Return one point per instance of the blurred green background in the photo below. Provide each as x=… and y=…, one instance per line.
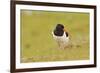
x=37, y=43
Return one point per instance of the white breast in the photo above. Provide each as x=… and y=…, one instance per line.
x=62, y=40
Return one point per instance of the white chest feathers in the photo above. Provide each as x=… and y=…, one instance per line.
x=61, y=40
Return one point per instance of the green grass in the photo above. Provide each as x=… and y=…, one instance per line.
x=37, y=43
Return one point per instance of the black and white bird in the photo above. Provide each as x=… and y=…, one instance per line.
x=61, y=36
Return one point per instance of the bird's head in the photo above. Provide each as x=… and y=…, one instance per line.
x=59, y=27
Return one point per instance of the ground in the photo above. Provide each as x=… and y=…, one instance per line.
x=37, y=43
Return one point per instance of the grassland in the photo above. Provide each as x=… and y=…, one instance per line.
x=37, y=43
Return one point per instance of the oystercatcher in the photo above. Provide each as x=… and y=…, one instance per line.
x=61, y=36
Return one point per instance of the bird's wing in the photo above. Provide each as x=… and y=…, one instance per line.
x=66, y=34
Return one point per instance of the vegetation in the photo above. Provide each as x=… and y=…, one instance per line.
x=37, y=43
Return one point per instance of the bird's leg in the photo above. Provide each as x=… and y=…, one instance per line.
x=64, y=45
x=61, y=46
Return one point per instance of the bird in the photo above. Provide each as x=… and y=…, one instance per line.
x=61, y=36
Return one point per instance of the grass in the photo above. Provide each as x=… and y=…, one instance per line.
x=37, y=43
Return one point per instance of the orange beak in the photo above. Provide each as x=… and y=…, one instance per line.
x=64, y=29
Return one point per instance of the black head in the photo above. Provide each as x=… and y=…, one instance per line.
x=59, y=30
x=59, y=27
